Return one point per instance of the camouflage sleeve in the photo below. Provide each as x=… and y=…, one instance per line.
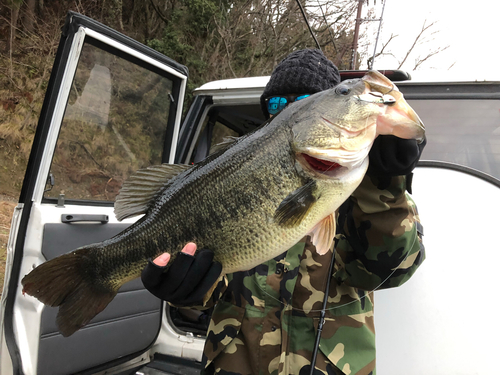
x=211, y=299
x=381, y=245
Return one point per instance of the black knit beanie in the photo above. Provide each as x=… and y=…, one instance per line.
x=307, y=71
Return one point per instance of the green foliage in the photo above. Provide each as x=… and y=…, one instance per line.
x=187, y=32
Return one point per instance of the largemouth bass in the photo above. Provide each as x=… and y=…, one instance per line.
x=248, y=202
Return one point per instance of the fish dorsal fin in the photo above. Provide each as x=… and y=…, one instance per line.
x=226, y=142
x=323, y=233
x=296, y=205
x=140, y=190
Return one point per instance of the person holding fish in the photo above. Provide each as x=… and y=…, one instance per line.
x=266, y=320
x=297, y=222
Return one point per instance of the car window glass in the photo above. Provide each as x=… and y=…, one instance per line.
x=464, y=132
x=211, y=134
x=219, y=134
x=115, y=123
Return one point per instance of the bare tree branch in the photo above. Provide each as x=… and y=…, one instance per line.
x=419, y=61
x=424, y=28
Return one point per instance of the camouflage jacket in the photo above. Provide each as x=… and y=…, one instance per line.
x=265, y=319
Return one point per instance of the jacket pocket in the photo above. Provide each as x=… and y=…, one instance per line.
x=224, y=327
x=349, y=345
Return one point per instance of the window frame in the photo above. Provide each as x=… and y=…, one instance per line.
x=83, y=37
x=78, y=31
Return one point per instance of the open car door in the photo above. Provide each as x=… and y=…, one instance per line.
x=112, y=106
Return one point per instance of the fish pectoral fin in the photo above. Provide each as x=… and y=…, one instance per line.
x=296, y=205
x=323, y=234
x=140, y=190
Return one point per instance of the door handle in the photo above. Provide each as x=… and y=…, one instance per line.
x=77, y=218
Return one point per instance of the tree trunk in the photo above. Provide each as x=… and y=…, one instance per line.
x=29, y=20
x=14, y=15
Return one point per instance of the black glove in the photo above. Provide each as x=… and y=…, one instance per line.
x=187, y=279
x=392, y=156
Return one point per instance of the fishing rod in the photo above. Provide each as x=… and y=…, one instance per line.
x=321, y=322
x=307, y=23
x=328, y=27
x=342, y=216
x=378, y=34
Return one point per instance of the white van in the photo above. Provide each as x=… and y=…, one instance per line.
x=114, y=106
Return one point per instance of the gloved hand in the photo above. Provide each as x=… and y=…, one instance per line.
x=188, y=278
x=392, y=156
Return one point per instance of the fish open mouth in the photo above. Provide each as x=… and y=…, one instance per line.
x=320, y=165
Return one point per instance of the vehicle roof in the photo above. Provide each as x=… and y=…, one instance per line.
x=441, y=76
x=235, y=83
x=257, y=84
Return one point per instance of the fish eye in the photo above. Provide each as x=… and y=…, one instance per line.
x=342, y=90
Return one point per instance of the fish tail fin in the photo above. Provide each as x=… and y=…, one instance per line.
x=66, y=282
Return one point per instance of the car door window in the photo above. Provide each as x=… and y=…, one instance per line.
x=223, y=122
x=463, y=132
x=114, y=124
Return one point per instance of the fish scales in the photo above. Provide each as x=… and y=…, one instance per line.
x=248, y=202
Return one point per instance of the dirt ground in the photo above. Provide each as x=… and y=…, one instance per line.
x=7, y=205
